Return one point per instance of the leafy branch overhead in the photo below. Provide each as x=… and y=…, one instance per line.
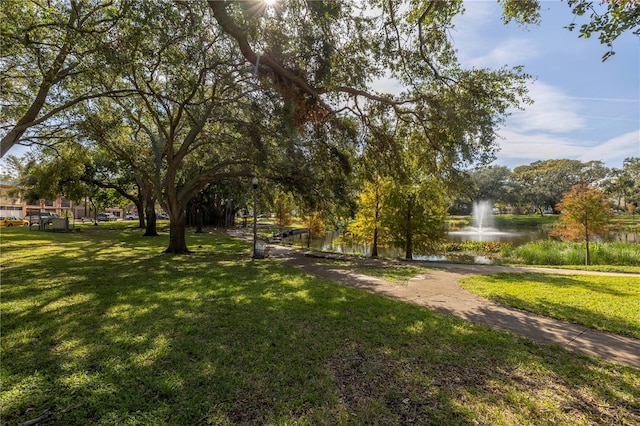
x=332, y=67
x=607, y=18
x=57, y=55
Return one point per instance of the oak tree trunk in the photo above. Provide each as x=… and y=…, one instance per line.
x=150, y=230
x=150, y=212
x=587, y=259
x=140, y=209
x=374, y=249
x=177, y=235
x=409, y=234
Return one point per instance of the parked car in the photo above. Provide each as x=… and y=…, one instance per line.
x=162, y=216
x=132, y=216
x=44, y=217
x=13, y=221
x=106, y=217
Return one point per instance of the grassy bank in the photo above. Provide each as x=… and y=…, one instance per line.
x=524, y=221
x=608, y=303
x=508, y=221
x=101, y=328
x=627, y=222
x=550, y=252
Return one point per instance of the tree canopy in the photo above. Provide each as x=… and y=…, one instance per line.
x=316, y=54
x=54, y=57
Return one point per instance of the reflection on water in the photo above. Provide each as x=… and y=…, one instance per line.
x=331, y=242
x=626, y=237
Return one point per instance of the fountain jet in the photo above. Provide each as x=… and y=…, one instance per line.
x=482, y=228
x=482, y=216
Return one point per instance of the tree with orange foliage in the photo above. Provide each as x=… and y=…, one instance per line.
x=586, y=213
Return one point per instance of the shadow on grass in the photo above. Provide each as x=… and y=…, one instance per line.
x=104, y=329
x=576, y=315
x=553, y=303
x=561, y=282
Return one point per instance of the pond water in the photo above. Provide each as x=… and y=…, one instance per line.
x=332, y=242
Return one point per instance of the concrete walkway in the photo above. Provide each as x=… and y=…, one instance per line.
x=439, y=291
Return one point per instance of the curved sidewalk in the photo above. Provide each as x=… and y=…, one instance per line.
x=439, y=291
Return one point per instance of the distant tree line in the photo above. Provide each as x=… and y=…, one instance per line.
x=541, y=185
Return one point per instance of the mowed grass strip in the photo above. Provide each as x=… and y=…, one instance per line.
x=608, y=303
x=101, y=328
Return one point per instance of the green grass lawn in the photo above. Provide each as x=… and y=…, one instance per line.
x=524, y=221
x=119, y=224
x=627, y=222
x=99, y=327
x=592, y=268
x=610, y=303
x=508, y=221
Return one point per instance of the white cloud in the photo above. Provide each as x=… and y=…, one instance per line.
x=584, y=109
x=476, y=16
x=552, y=111
x=475, y=38
x=538, y=146
x=629, y=100
x=619, y=147
x=519, y=148
x=387, y=84
x=511, y=52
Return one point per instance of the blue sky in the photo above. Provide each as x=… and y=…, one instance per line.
x=584, y=109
